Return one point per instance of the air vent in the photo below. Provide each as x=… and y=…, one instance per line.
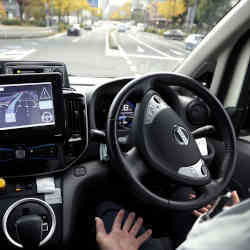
x=76, y=120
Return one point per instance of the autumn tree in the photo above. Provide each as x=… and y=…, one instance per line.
x=66, y=7
x=122, y=13
x=2, y=11
x=97, y=12
x=35, y=9
x=171, y=8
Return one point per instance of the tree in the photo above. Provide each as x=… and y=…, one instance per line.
x=210, y=11
x=123, y=12
x=66, y=7
x=171, y=8
x=2, y=11
x=35, y=9
x=21, y=4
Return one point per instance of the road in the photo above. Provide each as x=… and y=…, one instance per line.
x=90, y=54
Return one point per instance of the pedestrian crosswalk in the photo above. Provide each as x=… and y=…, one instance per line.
x=15, y=53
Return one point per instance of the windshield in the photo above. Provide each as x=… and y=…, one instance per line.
x=107, y=38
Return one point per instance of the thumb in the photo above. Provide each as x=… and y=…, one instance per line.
x=99, y=226
x=235, y=197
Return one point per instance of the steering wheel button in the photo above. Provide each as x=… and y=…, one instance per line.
x=79, y=171
x=45, y=227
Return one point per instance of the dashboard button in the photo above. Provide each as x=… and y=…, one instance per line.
x=20, y=154
x=79, y=171
x=2, y=184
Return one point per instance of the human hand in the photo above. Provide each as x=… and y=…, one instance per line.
x=121, y=238
x=203, y=210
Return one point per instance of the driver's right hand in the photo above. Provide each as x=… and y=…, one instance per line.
x=203, y=210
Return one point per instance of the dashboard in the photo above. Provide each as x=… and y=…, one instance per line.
x=45, y=130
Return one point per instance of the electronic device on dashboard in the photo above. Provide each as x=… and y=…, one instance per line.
x=31, y=106
x=43, y=126
x=26, y=67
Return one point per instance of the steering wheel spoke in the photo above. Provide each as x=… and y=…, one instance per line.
x=203, y=131
x=136, y=165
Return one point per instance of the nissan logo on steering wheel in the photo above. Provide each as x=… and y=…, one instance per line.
x=181, y=135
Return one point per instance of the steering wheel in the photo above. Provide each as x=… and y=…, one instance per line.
x=165, y=144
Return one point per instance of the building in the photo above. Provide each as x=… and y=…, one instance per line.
x=141, y=4
x=103, y=4
x=93, y=3
x=136, y=4
x=11, y=8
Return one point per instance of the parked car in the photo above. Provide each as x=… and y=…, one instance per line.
x=121, y=28
x=87, y=27
x=174, y=35
x=192, y=41
x=74, y=30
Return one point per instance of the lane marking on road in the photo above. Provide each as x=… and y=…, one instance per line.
x=133, y=68
x=149, y=57
x=178, y=53
x=56, y=36
x=125, y=56
x=152, y=48
x=76, y=40
x=140, y=50
x=27, y=53
x=15, y=54
x=172, y=43
x=106, y=43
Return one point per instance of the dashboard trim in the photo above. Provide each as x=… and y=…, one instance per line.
x=19, y=202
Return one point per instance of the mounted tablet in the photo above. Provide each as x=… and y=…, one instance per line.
x=31, y=108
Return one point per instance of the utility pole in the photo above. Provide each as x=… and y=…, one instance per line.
x=193, y=15
x=47, y=13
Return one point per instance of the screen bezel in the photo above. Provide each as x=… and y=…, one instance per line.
x=44, y=133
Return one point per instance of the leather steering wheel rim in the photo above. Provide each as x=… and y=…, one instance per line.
x=128, y=167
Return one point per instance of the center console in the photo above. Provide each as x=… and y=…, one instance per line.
x=43, y=131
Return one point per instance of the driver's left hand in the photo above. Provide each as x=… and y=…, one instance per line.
x=121, y=237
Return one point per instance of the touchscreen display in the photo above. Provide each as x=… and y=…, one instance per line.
x=26, y=105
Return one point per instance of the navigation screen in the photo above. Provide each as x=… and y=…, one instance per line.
x=26, y=105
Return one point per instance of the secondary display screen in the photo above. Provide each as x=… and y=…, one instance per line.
x=26, y=105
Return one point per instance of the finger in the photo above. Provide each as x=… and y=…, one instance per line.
x=203, y=210
x=99, y=226
x=118, y=220
x=209, y=206
x=129, y=221
x=196, y=213
x=235, y=198
x=192, y=196
x=136, y=227
x=142, y=238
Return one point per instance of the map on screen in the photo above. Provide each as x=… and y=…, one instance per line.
x=26, y=105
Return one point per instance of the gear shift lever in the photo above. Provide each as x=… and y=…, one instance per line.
x=29, y=231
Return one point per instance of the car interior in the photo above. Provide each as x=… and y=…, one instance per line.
x=133, y=140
